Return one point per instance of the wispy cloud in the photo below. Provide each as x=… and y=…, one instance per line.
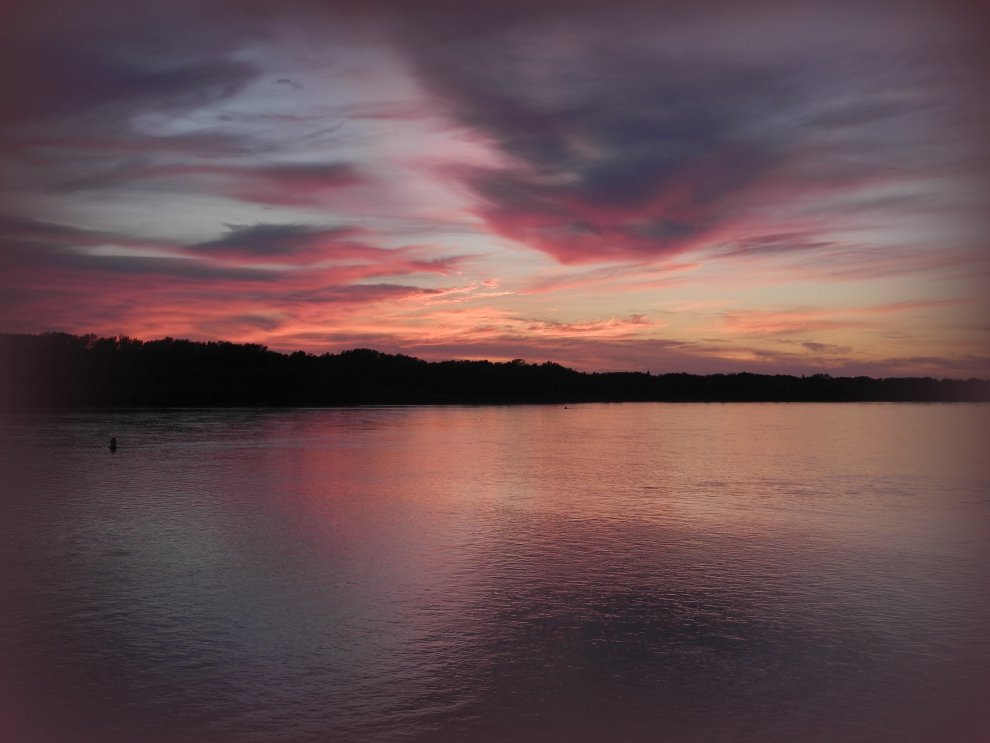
x=805, y=181
x=804, y=320
x=670, y=144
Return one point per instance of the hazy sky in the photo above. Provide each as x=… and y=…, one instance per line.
x=672, y=186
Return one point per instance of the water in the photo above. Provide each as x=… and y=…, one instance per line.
x=601, y=573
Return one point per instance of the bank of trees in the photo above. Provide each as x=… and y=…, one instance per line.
x=62, y=370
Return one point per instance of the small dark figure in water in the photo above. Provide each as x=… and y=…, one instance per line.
x=113, y=444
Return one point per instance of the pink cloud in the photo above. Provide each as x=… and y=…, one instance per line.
x=258, y=277
x=293, y=185
x=627, y=276
x=613, y=141
x=613, y=327
x=753, y=322
x=794, y=321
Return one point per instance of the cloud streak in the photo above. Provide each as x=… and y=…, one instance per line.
x=619, y=185
x=670, y=143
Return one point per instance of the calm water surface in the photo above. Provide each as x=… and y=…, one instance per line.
x=606, y=572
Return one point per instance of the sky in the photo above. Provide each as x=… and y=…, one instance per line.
x=709, y=186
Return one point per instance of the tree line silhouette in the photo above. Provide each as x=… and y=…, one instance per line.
x=62, y=370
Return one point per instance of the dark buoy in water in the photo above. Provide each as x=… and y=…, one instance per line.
x=113, y=444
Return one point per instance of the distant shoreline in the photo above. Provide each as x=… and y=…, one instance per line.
x=62, y=371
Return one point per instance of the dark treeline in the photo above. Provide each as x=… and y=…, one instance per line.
x=61, y=370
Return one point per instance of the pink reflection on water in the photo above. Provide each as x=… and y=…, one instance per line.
x=529, y=573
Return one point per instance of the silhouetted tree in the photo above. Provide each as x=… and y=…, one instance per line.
x=62, y=370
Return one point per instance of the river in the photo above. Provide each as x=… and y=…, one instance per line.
x=628, y=572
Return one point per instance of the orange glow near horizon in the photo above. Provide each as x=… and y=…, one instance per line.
x=448, y=184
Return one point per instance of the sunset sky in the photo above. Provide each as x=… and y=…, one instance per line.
x=669, y=186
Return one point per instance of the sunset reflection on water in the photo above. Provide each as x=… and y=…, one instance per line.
x=636, y=572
